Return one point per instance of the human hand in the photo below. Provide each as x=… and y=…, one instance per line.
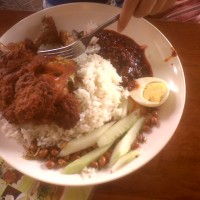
x=141, y=8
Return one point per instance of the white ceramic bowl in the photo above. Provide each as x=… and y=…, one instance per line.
x=76, y=16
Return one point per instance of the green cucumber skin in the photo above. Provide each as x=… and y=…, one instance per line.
x=118, y=129
x=78, y=165
x=124, y=145
x=84, y=141
x=125, y=159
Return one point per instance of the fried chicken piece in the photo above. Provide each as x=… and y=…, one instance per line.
x=33, y=94
x=11, y=66
x=48, y=33
x=3, y=49
x=66, y=38
x=34, y=89
x=67, y=110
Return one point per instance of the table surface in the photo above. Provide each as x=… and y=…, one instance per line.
x=174, y=173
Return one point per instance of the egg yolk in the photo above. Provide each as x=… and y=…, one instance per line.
x=155, y=92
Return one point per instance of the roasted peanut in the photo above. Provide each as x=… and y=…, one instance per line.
x=43, y=153
x=62, y=162
x=102, y=161
x=146, y=129
x=154, y=121
x=94, y=165
x=33, y=147
x=50, y=164
x=55, y=151
x=107, y=155
x=135, y=145
x=74, y=157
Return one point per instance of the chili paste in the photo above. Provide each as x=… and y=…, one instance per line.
x=125, y=55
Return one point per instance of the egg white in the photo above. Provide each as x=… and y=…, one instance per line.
x=137, y=94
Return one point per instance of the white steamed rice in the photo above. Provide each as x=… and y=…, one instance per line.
x=100, y=95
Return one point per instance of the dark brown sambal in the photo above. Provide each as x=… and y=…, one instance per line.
x=125, y=55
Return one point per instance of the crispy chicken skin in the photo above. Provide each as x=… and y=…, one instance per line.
x=11, y=67
x=34, y=89
x=48, y=33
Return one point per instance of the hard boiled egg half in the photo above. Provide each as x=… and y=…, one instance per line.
x=150, y=91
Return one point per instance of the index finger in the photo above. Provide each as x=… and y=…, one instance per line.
x=127, y=11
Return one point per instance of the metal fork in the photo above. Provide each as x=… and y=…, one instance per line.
x=79, y=46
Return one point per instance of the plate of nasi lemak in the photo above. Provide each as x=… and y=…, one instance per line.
x=94, y=118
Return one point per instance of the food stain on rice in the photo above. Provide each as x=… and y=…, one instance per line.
x=100, y=94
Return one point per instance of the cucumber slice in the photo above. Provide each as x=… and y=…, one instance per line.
x=78, y=165
x=118, y=129
x=84, y=141
x=125, y=159
x=124, y=107
x=125, y=143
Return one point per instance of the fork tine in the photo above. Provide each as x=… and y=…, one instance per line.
x=53, y=53
x=63, y=54
x=57, y=51
x=67, y=52
x=66, y=55
x=79, y=46
x=71, y=51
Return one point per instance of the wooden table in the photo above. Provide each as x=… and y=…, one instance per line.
x=175, y=172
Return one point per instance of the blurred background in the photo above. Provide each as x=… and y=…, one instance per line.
x=183, y=10
x=27, y=5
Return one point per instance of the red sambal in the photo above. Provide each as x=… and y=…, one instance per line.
x=125, y=55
